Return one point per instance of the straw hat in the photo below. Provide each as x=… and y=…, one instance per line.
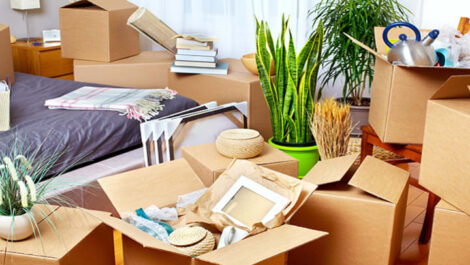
x=193, y=241
x=240, y=143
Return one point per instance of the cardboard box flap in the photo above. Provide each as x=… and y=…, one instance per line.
x=263, y=246
x=380, y=179
x=367, y=48
x=158, y=185
x=307, y=190
x=457, y=86
x=108, y=5
x=446, y=206
x=132, y=232
x=331, y=170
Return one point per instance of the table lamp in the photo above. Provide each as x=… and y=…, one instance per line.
x=25, y=5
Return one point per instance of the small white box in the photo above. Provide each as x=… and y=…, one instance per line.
x=25, y=4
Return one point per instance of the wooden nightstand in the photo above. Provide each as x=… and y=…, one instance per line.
x=44, y=60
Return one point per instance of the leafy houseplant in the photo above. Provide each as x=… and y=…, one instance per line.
x=341, y=57
x=291, y=95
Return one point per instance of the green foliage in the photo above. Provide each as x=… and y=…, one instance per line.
x=292, y=94
x=343, y=58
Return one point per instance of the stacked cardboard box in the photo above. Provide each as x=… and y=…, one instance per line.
x=6, y=59
x=445, y=170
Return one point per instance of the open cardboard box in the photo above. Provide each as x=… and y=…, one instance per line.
x=97, y=30
x=400, y=93
x=450, y=236
x=149, y=69
x=160, y=185
x=445, y=164
x=363, y=211
x=209, y=164
x=6, y=59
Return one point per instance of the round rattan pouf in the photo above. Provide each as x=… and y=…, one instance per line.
x=193, y=241
x=240, y=143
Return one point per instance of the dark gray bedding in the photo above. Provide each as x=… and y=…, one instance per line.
x=83, y=135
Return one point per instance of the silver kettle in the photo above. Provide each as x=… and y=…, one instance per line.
x=411, y=51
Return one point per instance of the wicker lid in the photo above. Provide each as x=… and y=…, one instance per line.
x=187, y=236
x=239, y=134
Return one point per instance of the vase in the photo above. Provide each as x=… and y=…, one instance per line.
x=15, y=228
x=306, y=154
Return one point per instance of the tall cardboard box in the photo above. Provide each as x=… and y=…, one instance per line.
x=364, y=217
x=97, y=30
x=6, y=59
x=149, y=69
x=450, y=236
x=238, y=85
x=209, y=164
x=445, y=163
x=400, y=93
x=75, y=239
x=160, y=185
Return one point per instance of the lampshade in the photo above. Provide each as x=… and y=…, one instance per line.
x=25, y=4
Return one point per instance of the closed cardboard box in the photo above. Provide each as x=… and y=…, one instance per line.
x=400, y=93
x=239, y=85
x=6, y=59
x=75, y=239
x=450, y=236
x=149, y=69
x=97, y=30
x=364, y=217
x=445, y=163
x=160, y=185
x=209, y=164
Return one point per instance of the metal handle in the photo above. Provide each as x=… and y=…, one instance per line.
x=397, y=24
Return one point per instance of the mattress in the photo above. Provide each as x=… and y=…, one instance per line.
x=82, y=136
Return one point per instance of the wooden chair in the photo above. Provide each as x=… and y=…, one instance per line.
x=411, y=153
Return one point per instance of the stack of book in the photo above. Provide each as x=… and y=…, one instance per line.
x=197, y=55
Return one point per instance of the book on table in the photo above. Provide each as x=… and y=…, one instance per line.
x=195, y=64
x=211, y=53
x=220, y=69
x=194, y=47
x=195, y=58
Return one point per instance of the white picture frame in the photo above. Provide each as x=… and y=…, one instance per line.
x=279, y=202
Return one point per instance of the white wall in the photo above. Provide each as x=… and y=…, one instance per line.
x=47, y=17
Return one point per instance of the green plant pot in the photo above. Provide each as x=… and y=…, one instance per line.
x=308, y=156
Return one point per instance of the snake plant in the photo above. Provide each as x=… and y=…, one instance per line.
x=291, y=95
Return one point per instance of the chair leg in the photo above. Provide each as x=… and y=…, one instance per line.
x=428, y=219
x=366, y=147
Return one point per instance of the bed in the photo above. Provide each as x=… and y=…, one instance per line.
x=83, y=136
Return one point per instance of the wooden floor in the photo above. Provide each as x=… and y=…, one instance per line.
x=413, y=253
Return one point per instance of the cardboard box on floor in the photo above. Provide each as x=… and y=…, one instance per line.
x=6, y=59
x=76, y=239
x=400, y=93
x=160, y=185
x=450, y=236
x=364, y=217
x=97, y=30
x=445, y=163
x=149, y=69
x=239, y=85
x=209, y=164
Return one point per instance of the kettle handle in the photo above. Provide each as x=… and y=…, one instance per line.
x=397, y=24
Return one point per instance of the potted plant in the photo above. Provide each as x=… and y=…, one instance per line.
x=342, y=58
x=291, y=95
x=22, y=186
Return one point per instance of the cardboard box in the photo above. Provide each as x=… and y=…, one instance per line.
x=400, y=93
x=6, y=59
x=79, y=239
x=364, y=217
x=97, y=30
x=238, y=85
x=445, y=167
x=209, y=164
x=160, y=185
x=149, y=69
x=450, y=236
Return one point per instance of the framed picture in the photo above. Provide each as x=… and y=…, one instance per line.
x=248, y=202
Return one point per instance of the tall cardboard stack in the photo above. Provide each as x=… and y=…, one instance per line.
x=445, y=170
x=6, y=59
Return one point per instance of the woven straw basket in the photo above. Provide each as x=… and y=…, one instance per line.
x=193, y=241
x=240, y=143
x=5, y=110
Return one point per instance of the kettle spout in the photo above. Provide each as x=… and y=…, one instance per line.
x=430, y=38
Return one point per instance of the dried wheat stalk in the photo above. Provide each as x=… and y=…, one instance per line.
x=331, y=126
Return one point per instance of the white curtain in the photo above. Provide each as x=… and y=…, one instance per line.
x=232, y=21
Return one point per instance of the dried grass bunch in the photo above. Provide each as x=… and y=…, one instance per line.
x=331, y=126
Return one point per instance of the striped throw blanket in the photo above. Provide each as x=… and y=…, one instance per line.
x=139, y=104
